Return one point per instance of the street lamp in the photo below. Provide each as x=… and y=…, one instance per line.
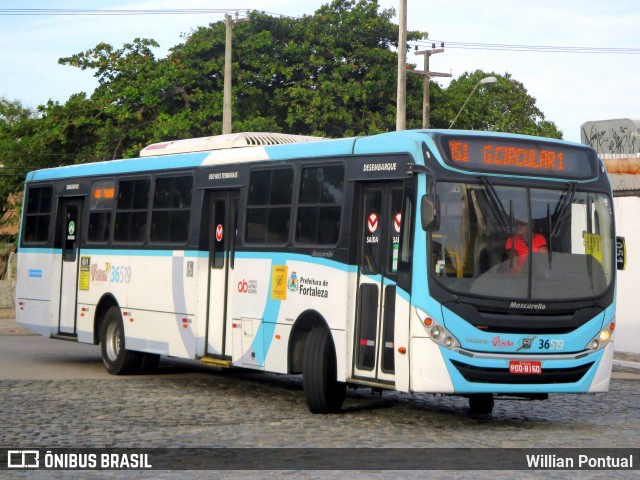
x=484, y=81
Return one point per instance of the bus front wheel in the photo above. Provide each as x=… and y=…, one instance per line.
x=115, y=357
x=322, y=391
x=481, y=403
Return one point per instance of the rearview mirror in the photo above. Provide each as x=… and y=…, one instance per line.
x=429, y=212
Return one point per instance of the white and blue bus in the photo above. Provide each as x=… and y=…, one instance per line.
x=398, y=261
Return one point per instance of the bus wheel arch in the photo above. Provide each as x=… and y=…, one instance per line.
x=106, y=302
x=117, y=359
x=307, y=321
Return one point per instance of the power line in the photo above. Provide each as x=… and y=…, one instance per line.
x=532, y=48
x=127, y=12
x=245, y=11
x=79, y=11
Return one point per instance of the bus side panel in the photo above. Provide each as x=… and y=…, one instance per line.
x=600, y=382
x=100, y=273
x=201, y=276
x=429, y=371
x=37, y=285
x=160, y=332
x=401, y=339
x=251, y=302
x=163, y=304
x=153, y=305
x=270, y=294
x=320, y=286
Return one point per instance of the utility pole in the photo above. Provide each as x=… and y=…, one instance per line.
x=401, y=97
x=425, y=82
x=226, y=102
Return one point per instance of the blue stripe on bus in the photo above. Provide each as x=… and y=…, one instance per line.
x=121, y=252
x=311, y=149
x=49, y=251
x=113, y=167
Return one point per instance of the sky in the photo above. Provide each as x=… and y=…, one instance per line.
x=570, y=88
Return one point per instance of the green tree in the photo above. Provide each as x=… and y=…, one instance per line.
x=505, y=106
x=331, y=73
x=134, y=92
x=13, y=116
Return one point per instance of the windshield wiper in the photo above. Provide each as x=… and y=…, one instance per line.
x=550, y=242
x=506, y=221
x=561, y=209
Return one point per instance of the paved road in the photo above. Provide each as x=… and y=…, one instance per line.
x=57, y=394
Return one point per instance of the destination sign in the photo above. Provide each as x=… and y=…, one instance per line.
x=518, y=157
x=103, y=194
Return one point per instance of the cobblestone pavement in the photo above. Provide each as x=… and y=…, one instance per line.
x=243, y=409
x=187, y=405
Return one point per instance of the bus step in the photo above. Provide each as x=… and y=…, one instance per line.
x=216, y=362
x=366, y=383
x=69, y=337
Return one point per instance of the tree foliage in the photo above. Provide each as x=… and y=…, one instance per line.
x=505, y=106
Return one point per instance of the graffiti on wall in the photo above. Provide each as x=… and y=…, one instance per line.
x=612, y=136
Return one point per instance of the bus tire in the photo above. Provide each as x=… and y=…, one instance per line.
x=115, y=357
x=322, y=391
x=481, y=404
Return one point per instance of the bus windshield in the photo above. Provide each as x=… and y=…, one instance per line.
x=522, y=243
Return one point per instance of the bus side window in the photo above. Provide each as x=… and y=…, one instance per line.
x=171, y=209
x=131, y=210
x=269, y=206
x=100, y=207
x=320, y=205
x=38, y=215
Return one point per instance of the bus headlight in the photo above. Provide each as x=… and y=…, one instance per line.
x=602, y=340
x=437, y=332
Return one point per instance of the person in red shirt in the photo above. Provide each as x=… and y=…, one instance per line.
x=517, y=246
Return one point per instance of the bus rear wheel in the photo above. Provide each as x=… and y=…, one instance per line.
x=322, y=391
x=115, y=357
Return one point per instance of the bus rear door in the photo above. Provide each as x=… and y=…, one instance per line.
x=68, y=225
x=221, y=207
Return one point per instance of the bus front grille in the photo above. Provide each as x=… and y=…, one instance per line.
x=502, y=375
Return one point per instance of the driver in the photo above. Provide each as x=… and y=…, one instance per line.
x=517, y=246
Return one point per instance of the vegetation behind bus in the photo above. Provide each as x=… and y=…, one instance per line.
x=330, y=74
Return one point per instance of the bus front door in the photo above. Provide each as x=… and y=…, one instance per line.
x=221, y=223
x=379, y=242
x=69, y=236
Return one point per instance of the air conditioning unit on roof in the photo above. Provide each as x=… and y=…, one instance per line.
x=221, y=142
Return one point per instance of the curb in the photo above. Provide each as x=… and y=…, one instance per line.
x=626, y=364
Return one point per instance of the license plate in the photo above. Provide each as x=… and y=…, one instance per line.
x=525, y=368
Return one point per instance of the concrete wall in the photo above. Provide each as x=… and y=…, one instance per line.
x=621, y=136
x=8, y=284
x=627, y=336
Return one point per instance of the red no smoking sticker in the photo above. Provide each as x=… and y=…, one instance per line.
x=372, y=223
x=397, y=222
x=219, y=232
